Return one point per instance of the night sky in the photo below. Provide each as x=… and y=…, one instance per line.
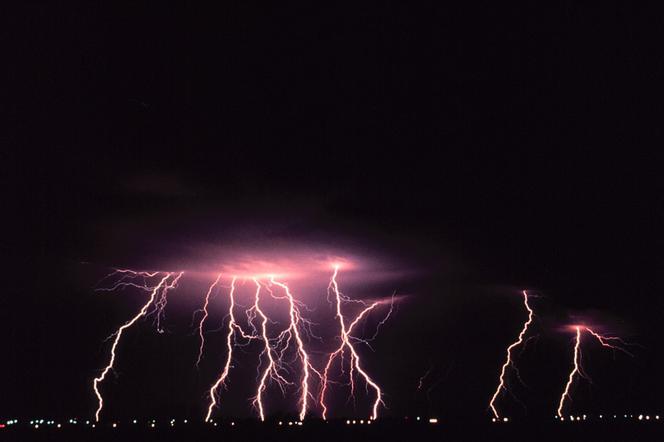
x=470, y=152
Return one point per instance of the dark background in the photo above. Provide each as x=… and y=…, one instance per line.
x=491, y=147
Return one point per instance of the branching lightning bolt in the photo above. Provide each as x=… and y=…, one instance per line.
x=271, y=371
x=232, y=328
x=508, y=361
x=158, y=292
x=577, y=367
x=345, y=337
x=294, y=331
x=159, y=304
x=127, y=280
x=575, y=370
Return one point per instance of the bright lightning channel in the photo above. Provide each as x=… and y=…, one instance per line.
x=204, y=310
x=293, y=330
x=233, y=327
x=508, y=360
x=577, y=368
x=346, y=337
x=271, y=370
x=158, y=292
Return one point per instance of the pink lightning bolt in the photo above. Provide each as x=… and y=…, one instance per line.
x=577, y=368
x=269, y=372
x=508, y=360
x=294, y=330
x=203, y=318
x=346, y=337
x=232, y=328
x=162, y=287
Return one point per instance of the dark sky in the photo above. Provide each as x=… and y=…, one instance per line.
x=485, y=148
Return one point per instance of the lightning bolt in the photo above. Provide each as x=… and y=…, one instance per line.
x=232, y=328
x=577, y=369
x=346, y=338
x=293, y=330
x=270, y=372
x=204, y=310
x=158, y=292
x=275, y=364
x=508, y=360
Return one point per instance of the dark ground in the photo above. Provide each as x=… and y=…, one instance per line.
x=390, y=430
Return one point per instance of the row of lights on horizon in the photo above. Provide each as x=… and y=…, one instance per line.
x=583, y=417
x=36, y=423
x=615, y=416
x=152, y=423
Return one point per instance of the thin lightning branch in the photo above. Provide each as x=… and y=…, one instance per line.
x=420, y=382
x=605, y=341
x=355, y=364
x=127, y=280
x=384, y=320
x=118, y=335
x=161, y=301
x=508, y=360
x=205, y=316
x=134, y=272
